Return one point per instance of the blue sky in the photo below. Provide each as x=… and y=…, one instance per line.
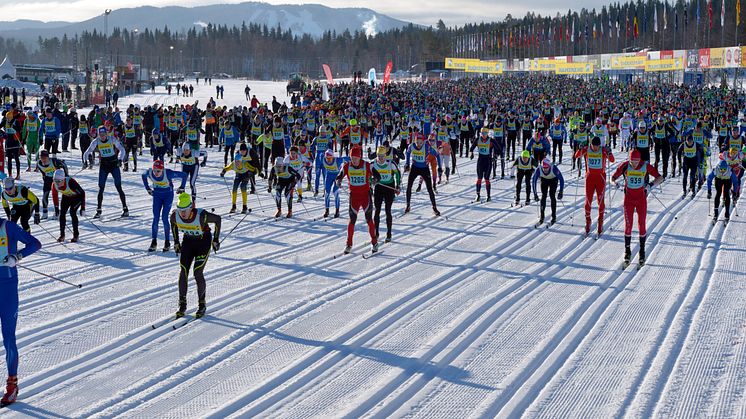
x=417, y=11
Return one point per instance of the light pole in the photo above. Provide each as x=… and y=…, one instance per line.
x=107, y=12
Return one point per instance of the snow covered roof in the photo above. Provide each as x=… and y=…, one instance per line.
x=7, y=69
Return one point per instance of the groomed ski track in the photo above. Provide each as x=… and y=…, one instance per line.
x=472, y=314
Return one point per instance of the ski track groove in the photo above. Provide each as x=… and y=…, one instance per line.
x=603, y=318
x=466, y=188
x=508, y=191
x=145, y=296
x=549, y=344
x=712, y=359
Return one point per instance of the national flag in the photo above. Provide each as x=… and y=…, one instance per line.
x=709, y=11
x=738, y=12
x=655, y=19
x=722, y=15
x=636, y=29
x=572, y=34
x=628, y=30
x=665, y=13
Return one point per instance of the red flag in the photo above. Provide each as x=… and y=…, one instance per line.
x=709, y=12
x=328, y=72
x=387, y=73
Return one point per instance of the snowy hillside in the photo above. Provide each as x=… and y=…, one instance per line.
x=312, y=19
x=472, y=314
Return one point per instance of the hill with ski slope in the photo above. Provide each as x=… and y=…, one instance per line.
x=472, y=314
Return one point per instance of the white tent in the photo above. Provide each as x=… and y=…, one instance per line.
x=7, y=69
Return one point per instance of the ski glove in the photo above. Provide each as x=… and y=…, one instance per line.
x=37, y=218
x=709, y=194
x=559, y=195
x=180, y=191
x=536, y=197
x=177, y=248
x=215, y=245
x=150, y=192
x=11, y=261
x=82, y=212
x=222, y=173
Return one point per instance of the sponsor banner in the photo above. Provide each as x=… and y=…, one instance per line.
x=733, y=57
x=574, y=68
x=486, y=67
x=717, y=57
x=458, y=63
x=704, y=58
x=669, y=64
x=543, y=65
x=619, y=62
x=692, y=59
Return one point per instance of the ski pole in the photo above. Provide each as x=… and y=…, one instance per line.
x=51, y=277
x=234, y=227
x=99, y=229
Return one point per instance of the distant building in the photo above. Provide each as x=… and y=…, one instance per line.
x=42, y=73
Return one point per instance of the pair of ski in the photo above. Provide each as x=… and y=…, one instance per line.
x=366, y=255
x=546, y=224
x=174, y=322
x=626, y=264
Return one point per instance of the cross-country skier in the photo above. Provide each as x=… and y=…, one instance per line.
x=636, y=189
x=386, y=190
x=418, y=153
x=484, y=145
x=108, y=146
x=24, y=203
x=551, y=178
x=245, y=167
x=10, y=255
x=360, y=176
x=693, y=156
x=190, y=165
x=283, y=178
x=195, y=247
x=73, y=199
x=596, y=158
x=162, y=192
x=525, y=166
x=331, y=168
x=725, y=181
x=48, y=166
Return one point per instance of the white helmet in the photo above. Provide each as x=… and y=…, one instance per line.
x=279, y=161
x=59, y=175
x=186, y=147
x=642, y=125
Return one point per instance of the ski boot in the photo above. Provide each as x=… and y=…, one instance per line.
x=517, y=202
x=478, y=198
x=182, y=307
x=61, y=239
x=316, y=193
x=553, y=220
x=233, y=209
x=388, y=238
x=406, y=210
x=641, y=261
x=153, y=245
x=374, y=248
x=627, y=251
x=97, y=214
x=326, y=213
x=528, y=201
x=74, y=239
x=200, y=310
x=11, y=391
x=244, y=210
x=278, y=213
x=300, y=198
x=436, y=212
x=348, y=249
x=44, y=214
x=489, y=198
x=126, y=167
x=336, y=213
x=125, y=212
x=290, y=214
x=56, y=215
x=166, y=246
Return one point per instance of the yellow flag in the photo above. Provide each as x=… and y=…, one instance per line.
x=738, y=12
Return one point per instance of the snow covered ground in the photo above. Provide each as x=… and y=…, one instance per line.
x=473, y=314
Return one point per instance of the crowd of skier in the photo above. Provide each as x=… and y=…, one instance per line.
x=529, y=132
